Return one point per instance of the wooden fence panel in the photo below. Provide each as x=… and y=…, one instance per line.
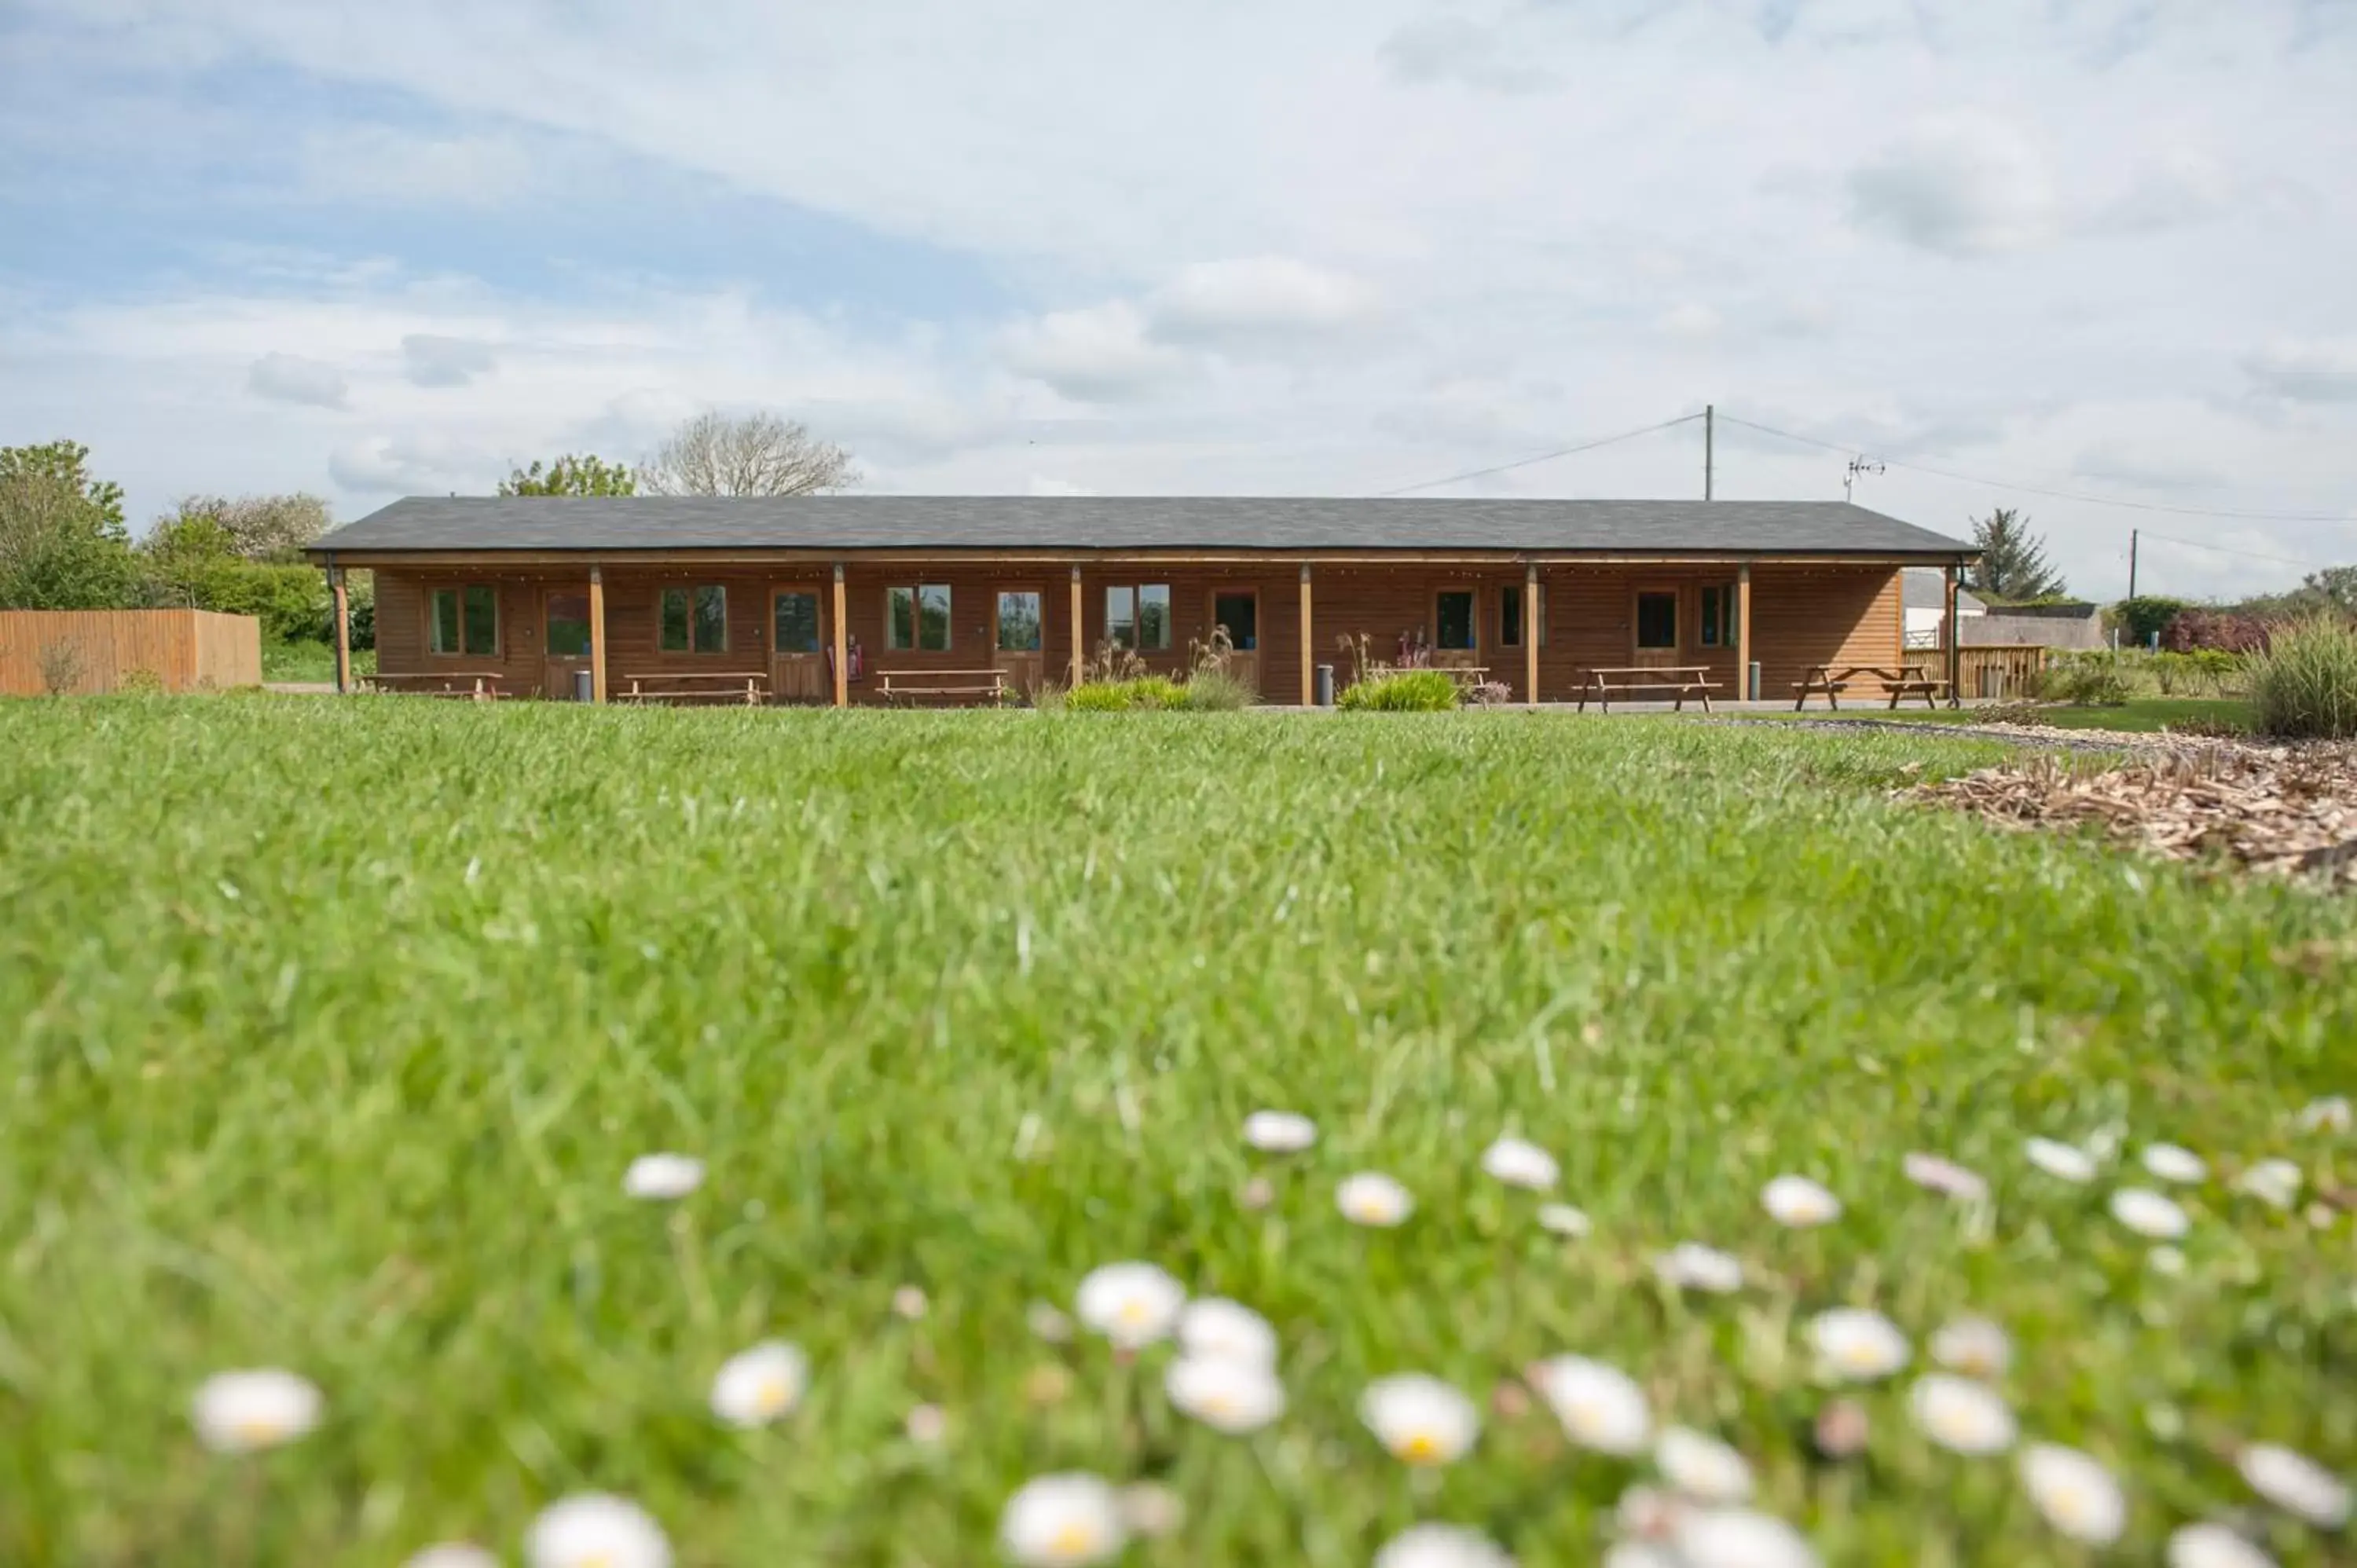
x=1998, y=669
x=87, y=651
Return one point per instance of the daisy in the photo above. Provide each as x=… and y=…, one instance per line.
x=1517, y=1162
x=594, y=1529
x=1738, y=1538
x=2073, y=1493
x=1974, y=1346
x=1227, y=1330
x=453, y=1554
x=1944, y=1175
x=1421, y=1420
x=2330, y=1114
x=1130, y=1304
x=1370, y=1198
x=1640, y=1554
x=1441, y=1546
x=1647, y=1513
x=2213, y=1546
x=1226, y=1395
x=1562, y=1220
x=2170, y=1163
x=1063, y=1521
x=1150, y=1510
x=908, y=1302
x=1701, y=1466
x=1842, y=1429
x=662, y=1178
x=1689, y=1265
x=1856, y=1343
x=1798, y=1202
x=239, y=1412
x=2275, y=1183
x=2147, y=1213
x=1279, y=1132
x=2296, y=1484
x=1959, y=1414
x=758, y=1386
x=1600, y=1406
x=2066, y=1161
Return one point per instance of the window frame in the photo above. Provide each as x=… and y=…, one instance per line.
x=434, y=591
x=915, y=592
x=1717, y=617
x=1637, y=620
x=548, y=622
x=693, y=590
x=1038, y=597
x=818, y=619
x=1472, y=597
x=1136, y=592
x=1511, y=628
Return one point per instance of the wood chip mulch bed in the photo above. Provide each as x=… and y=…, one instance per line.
x=2275, y=810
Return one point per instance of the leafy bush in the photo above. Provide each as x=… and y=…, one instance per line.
x=2147, y=616
x=1142, y=692
x=2305, y=685
x=1402, y=692
x=2225, y=630
x=1210, y=689
x=2085, y=680
x=2175, y=672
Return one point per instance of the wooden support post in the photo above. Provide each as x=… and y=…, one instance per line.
x=1948, y=631
x=841, y=643
x=1080, y=654
x=1308, y=654
x=343, y=630
x=1743, y=632
x=597, y=634
x=1531, y=634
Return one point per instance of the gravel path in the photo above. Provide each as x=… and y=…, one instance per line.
x=2017, y=735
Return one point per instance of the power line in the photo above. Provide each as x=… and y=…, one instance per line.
x=2229, y=550
x=2051, y=494
x=1541, y=457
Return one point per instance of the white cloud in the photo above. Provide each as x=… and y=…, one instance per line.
x=1964, y=185
x=411, y=465
x=1101, y=354
x=380, y=164
x=1458, y=49
x=291, y=378
x=1041, y=485
x=2306, y=373
x=434, y=361
x=1258, y=302
x=1691, y=320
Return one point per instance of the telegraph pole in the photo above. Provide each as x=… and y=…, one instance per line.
x=1709, y=434
x=2133, y=537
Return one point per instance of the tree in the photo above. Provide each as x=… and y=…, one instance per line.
x=717, y=454
x=195, y=558
x=68, y=462
x=62, y=538
x=264, y=528
x=2013, y=566
x=585, y=475
x=2336, y=586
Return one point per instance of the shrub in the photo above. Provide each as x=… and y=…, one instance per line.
x=2147, y=616
x=2305, y=685
x=2175, y=672
x=1143, y=691
x=2087, y=681
x=1403, y=691
x=1213, y=690
x=2225, y=630
x=1491, y=694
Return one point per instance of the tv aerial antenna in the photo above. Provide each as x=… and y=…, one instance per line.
x=1858, y=465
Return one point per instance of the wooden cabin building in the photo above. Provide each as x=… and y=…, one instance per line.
x=820, y=599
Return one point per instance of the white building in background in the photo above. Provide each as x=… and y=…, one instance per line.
x=1923, y=590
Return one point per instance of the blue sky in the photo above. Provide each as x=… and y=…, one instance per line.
x=2099, y=248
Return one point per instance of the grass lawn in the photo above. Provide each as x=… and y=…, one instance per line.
x=311, y=662
x=334, y=1025
x=2137, y=715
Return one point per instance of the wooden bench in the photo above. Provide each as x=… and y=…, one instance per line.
x=747, y=686
x=1896, y=680
x=475, y=686
x=1682, y=680
x=897, y=686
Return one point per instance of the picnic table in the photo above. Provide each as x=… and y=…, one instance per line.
x=897, y=684
x=1684, y=681
x=1897, y=680
x=696, y=686
x=478, y=686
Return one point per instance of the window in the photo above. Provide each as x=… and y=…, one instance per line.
x=917, y=617
x=1139, y=618
x=1018, y=621
x=1453, y=619
x=1238, y=615
x=1719, y=615
x=797, y=623
x=568, y=625
x=1657, y=620
x=465, y=621
x=1510, y=618
x=695, y=620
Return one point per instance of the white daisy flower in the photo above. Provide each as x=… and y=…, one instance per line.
x=452, y=1554
x=2147, y=1213
x=1600, y=1406
x=758, y=1385
x=1973, y=1346
x=1959, y=1414
x=1689, y=1265
x=1130, y=1304
x=1854, y=1343
x=1647, y=1513
x=1441, y=1546
x=1279, y=1132
x=2213, y=1546
x=595, y=1529
x=1226, y=1395
x=1063, y=1521
x=2170, y=1163
x=1738, y=1538
x=2275, y=1183
x=1370, y=1198
x=1150, y=1510
x=2066, y=1161
x=908, y=1302
x=2073, y=1493
x=1798, y=1202
x=662, y=1178
x=2296, y=1484
x=1227, y=1330
x=1518, y=1163
x=239, y=1412
x=2330, y=1114
x=1562, y=1220
x=1944, y=1175
x=1421, y=1420
x=1701, y=1466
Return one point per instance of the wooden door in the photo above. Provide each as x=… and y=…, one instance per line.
x=1018, y=638
x=564, y=639
x=797, y=643
x=1657, y=626
x=1236, y=611
x=1457, y=629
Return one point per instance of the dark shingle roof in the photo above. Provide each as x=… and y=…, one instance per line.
x=1277, y=524
x=1927, y=590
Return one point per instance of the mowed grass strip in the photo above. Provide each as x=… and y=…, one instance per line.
x=331, y=1027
